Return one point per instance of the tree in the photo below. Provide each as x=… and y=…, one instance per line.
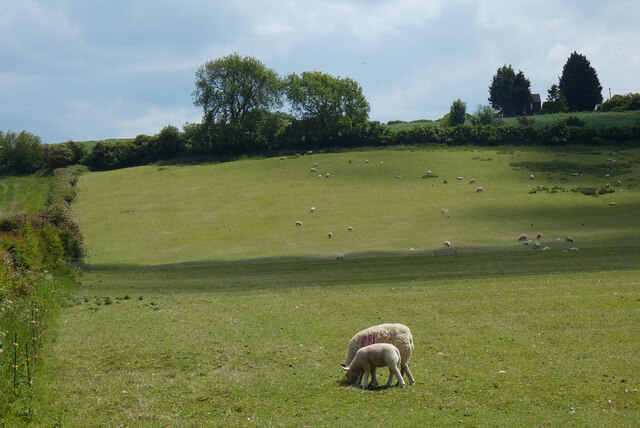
x=169, y=143
x=457, y=113
x=329, y=103
x=484, y=115
x=509, y=92
x=555, y=103
x=229, y=88
x=21, y=153
x=580, y=85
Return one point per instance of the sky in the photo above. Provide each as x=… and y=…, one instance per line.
x=97, y=69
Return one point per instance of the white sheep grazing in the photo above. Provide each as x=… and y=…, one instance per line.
x=612, y=203
x=522, y=237
x=606, y=176
x=606, y=186
x=282, y=158
x=536, y=245
x=312, y=209
x=546, y=248
x=398, y=335
x=429, y=172
x=313, y=170
x=480, y=189
x=459, y=178
x=569, y=239
x=531, y=177
x=472, y=181
x=366, y=161
x=298, y=223
x=327, y=175
x=315, y=164
x=368, y=358
x=349, y=229
x=339, y=256
x=330, y=234
x=573, y=249
x=447, y=244
x=539, y=235
x=618, y=182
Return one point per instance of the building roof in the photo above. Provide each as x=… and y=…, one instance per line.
x=535, y=98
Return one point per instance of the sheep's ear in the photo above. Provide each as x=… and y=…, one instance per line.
x=344, y=367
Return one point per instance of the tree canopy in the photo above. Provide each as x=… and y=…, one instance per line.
x=579, y=84
x=231, y=87
x=509, y=92
x=555, y=103
x=327, y=99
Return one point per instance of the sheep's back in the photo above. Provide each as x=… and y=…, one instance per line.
x=398, y=335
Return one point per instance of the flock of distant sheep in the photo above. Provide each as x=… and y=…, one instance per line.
x=523, y=238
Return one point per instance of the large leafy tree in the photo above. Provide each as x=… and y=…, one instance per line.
x=509, y=92
x=230, y=88
x=457, y=113
x=328, y=101
x=21, y=153
x=579, y=84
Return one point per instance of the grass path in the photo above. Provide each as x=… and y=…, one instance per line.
x=25, y=194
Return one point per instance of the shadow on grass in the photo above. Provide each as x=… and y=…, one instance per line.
x=359, y=269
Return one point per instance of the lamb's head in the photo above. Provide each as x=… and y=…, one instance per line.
x=353, y=376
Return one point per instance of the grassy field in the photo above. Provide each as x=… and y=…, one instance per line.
x=26, y=194
x=203, y=304
x=248, y=209
x=502, y=339
x=594, y=119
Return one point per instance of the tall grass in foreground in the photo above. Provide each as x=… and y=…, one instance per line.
x=502, y=339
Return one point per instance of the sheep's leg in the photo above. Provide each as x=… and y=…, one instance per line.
x=359, y=380
x=405, y=369
x=394, y=371
x=365, y=382
x=374, y=380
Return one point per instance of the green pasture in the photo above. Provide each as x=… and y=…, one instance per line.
x=203, y=304
x=501, y=339
x=248, y=209
x=592, y=119
x=24, y=194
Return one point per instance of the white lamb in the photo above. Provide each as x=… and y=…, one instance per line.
x=368, y=358
x=398, y=335
x=447, y=244
x=480, y=189
x=298, y=223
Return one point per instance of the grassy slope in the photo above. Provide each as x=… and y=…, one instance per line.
x=248, y=209
x=595, y=119
x=228, y=342
x=24, y=194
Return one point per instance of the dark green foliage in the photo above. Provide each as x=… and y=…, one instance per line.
x=169, y=143
x=580, y=85
x=21, y=153
x=509, y=92
x=628, y=102
x=484, y=115
x=457, y=113
x=555, y=103
x=57, y=156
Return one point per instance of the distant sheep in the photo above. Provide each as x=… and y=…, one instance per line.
x=381, y=163
x=327, y=175
x=366, y=161
x=428, y=173
x=531, y=177
x=606, y=176
x=459, y=178
x=525, y=243
x=349, y=229
x=480, y=189
x=575, y=174
x=522, y=237
x=298, y=223
x=330, y=235
x=282, y=158
x=612, y=203
x=312, y=209
x=315, y=164
x=398, y=335
x=569, y=239
x=368, y=358
x=539, y=235
x=536, y=245
x=606, y=186
x=339, y=256
x=313, y=170
x=618, y=182
x=573, y=249
x=472, y=181
x=546, y=248
x=447, y=244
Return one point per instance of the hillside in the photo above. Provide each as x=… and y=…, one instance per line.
x=248, y=209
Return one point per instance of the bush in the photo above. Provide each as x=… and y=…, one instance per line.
x=626, y=102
